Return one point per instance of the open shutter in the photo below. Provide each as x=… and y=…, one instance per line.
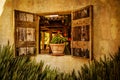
x=81, y=44
x=26, y=30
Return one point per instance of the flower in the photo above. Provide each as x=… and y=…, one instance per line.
x=69, y=39
x=65, y=34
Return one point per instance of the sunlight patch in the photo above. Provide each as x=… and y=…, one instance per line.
x=2, y=3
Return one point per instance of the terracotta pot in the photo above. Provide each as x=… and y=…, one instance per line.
x=57, y=48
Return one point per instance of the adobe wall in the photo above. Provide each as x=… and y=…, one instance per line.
x=6, y=22
x=106, y=19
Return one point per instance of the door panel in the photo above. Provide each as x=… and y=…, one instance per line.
x=81, y=44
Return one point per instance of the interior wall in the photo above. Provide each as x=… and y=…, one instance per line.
x=106, y=19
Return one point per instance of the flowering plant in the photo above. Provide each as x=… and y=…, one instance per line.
x=58, y=38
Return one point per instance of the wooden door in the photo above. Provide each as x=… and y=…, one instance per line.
x=81, y=43
x=26, y=33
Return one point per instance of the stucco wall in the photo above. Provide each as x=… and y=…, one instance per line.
x=106, y=26
x=106, y=19
x=6, y=22
x=43, y=6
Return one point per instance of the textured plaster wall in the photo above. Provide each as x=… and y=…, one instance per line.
x=42, y=6
x=6, y=22
x=106, y=19
x=106, y=26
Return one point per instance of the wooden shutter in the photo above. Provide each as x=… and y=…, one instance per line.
x=26, y=28
x=81, y=44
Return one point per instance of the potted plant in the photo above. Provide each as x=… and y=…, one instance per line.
x=58, y=44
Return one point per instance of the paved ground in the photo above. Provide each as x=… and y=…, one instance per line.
x=63, y=63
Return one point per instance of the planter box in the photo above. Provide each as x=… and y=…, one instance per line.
x=57, y=49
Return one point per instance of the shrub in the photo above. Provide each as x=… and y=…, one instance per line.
x=105, y=69
x=21, y=68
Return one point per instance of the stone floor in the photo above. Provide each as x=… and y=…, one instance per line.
x=64, y=63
